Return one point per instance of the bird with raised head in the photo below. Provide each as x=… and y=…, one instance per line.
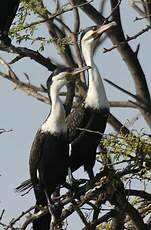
x=92, y=114
x=49, y=155
x=8, y=9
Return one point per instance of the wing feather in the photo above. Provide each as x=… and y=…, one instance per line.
x=35, y=155
x=74, y=121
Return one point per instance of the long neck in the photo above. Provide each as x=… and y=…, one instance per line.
x=96, y=96
x=55, y=122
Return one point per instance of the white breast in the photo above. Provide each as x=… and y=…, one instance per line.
x=96, y=97
x=54, y=126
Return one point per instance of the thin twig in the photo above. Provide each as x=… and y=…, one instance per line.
x=65, y=8
x=128, y=39
x=121, y=89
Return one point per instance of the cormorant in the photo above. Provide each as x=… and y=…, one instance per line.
x=93, y=113
x=49, y=155
x=8, y=9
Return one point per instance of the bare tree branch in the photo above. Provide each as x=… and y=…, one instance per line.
x=35, y=55
x=28, y=88
x=117, y=36
x=122, y=104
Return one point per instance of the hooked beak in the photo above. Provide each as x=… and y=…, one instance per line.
x=75, y=73
x=79, y=70
x=101, y=29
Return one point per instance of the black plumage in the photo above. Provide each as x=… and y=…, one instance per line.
x=46, y=153
x=8, y=9
x=90, y=115
x=52, y=165
x=49, y=155
x=93, y=112
x=83, y=147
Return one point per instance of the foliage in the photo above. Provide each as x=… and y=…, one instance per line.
x=111, y=199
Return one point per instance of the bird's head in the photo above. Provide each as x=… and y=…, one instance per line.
x=91, y=34
x=62, y=76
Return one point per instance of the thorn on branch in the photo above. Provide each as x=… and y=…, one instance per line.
x=128, y=38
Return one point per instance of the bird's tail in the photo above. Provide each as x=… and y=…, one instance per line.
x=25, y=185
x=41, y=222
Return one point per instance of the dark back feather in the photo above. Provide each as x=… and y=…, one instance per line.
x=75, y=120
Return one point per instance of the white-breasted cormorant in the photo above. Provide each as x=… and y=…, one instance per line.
x=49, y=155
x=93, y=113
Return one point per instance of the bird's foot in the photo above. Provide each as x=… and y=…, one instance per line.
x=74, y=187
x=55, y=210
x=74, y=182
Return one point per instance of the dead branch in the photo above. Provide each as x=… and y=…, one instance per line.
x=116, y=35
x=129, y=38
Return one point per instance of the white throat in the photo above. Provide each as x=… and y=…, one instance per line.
x=55, y=123
x=96, y=96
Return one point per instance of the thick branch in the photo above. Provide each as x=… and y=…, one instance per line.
x=127, y=54
x=148, y=10
x=118, y=219
x=140, y=193
x=67, y=56
x=35, y=55
x=130, y=210
x=101, y=219
x=29, y=89
x=122, y=104
x=117, y=125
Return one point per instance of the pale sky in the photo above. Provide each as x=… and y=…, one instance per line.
x=25, y=114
